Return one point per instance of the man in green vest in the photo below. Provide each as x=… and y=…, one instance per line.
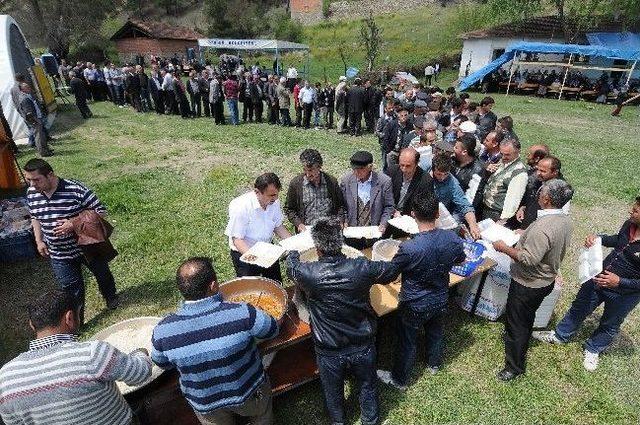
x=506, y=186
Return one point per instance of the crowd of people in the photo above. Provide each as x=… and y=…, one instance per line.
x=602, y=90
x=436, y=150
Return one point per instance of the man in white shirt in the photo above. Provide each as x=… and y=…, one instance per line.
x=306, y=97
x=428, y=74
x=255, y=217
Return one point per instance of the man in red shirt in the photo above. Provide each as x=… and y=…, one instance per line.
x=296, y=103
x=231, y=89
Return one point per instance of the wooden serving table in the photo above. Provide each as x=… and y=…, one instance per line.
x=384, y=298
x=162, y=402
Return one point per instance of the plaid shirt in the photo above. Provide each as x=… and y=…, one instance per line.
x=315, y=200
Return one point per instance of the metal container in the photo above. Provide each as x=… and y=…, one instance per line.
x=255, y=285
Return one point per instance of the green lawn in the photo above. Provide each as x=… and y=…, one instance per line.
x=167, y=183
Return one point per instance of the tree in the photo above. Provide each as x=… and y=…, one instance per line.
x=62, y=23
x=371, y=40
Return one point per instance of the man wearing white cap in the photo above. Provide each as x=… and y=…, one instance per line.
x=341, y=104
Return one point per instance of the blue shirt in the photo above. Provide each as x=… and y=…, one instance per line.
x=425, y=262
x=212, y=344
x=450, y=193
x=624, y=260
x=364, y=190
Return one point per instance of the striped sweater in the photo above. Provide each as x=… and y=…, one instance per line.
x=212, y=345
x=61, y=381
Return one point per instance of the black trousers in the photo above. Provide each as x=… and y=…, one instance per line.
x=298, y=116
x=522, y=304
x=196, y=104
x=245, y=269
x=217, y=111
x=159, y=102
x=247, y=110
x=308, y=111
x=84, y=108
x=170, y=101
x=205, y=104
x=257, y=110
x=355, y=123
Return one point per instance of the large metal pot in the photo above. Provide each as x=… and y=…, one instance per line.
x=256, y=285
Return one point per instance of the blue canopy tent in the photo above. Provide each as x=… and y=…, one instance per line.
x=513, y=50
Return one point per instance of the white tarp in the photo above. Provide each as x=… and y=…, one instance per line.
x=7, y=72
x=244, y=44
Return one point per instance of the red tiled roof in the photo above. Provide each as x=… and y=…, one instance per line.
x=547, y=27
x=157, y=30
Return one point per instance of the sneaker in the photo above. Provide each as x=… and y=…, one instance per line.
x=113, y=303
x=433, y=369
x=549, y=337
x=386, y=378
x=590, y=360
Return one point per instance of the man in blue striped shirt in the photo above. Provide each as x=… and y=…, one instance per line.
x=53, y=202
x=212, y=345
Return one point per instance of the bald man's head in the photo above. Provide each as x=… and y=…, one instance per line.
x=408, y=162
x=197, y=279
x=536, y=153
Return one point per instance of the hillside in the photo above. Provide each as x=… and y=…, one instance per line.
x=412, y=38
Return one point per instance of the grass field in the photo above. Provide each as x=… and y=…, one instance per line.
x=167, y=183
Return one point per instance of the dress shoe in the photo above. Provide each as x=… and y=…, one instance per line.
x=507, y=375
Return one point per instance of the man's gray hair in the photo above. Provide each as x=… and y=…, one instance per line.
x=72, y=74
x=311, y=157
x=327, y=236
x=559, y=191
x=511, y=140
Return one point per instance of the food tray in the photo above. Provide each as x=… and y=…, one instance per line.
x=136, y=323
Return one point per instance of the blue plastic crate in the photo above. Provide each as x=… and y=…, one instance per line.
x=19, y=246
x=473, y=251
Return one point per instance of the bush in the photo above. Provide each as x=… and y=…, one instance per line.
x=281, y=26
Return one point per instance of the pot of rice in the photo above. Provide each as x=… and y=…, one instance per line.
x=310, y=256
x=128, y=336
x=262, y=293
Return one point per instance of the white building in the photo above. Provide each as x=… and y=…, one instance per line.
x=483, y=46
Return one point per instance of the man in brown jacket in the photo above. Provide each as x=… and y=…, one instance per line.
x=536, y=260
x=313, y=194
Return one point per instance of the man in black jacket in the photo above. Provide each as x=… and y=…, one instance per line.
x=342, y=320
x=407, y=179
x=79, y=90
x=313, y=194
x=355, y=102
x=394, y=137
x=132, y=89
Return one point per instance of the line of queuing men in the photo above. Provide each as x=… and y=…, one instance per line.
x=225, y=378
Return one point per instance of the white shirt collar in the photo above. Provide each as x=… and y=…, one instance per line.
x=255, y=204
x=550, y=211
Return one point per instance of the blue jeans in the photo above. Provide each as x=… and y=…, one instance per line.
x=616, y=308
x=68, y=274
x=232, y=104
x=333, y=369
x=409, y=323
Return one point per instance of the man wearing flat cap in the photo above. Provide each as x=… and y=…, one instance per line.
x=367, y=194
